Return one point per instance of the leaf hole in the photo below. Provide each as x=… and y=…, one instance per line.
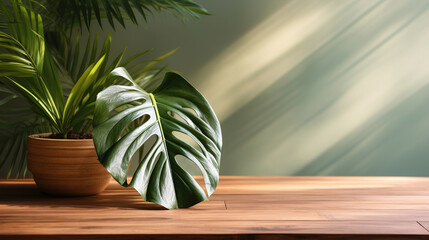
x=182, y=118
x=129, y=104
x=192, y=169
x=139, y=155
x=177, y=116
x=125, y=107
x=189, y=165
x=187, y=139
x=135, y=123
x=192, y=111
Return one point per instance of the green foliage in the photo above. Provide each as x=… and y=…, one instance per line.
x=69, y=90
x=27, y=64
x=29, y=69
x=13, y=136
x=159, y=177
x=71, y=13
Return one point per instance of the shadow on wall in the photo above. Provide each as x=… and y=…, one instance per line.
x=309, y=87
x=326, y=88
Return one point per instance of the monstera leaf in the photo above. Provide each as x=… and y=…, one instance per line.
x=159, y=178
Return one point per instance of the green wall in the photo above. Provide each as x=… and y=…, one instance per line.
x=307, y=87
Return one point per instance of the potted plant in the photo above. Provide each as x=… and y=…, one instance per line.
x=87, y=95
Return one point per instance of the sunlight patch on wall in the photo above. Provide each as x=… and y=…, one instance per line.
x=265, y=54
x=386, y=77
x=349, y=75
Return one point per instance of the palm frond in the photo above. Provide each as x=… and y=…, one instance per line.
x=73, y=13
x=17, y=121
x=147, y=74
x=13, y=152
x=27, y=66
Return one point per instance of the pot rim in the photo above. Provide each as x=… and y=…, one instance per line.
x=42, y=137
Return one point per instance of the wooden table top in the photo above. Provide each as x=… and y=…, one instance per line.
x=241, y=208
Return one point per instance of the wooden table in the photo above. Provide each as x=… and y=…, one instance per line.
x=241, y=208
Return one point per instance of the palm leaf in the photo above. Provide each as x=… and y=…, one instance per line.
x=80, y=93
x=14, y=146
x=27, y=66
x=70, y=13
x=16, y=123
x=78, y=111
x=159, y=178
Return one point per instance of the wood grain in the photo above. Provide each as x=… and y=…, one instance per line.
x=241, y=208
x=65, y=167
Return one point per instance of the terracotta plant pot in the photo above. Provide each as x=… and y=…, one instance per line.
x=65, y=167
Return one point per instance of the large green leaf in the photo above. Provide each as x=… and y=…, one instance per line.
x=159, y=178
